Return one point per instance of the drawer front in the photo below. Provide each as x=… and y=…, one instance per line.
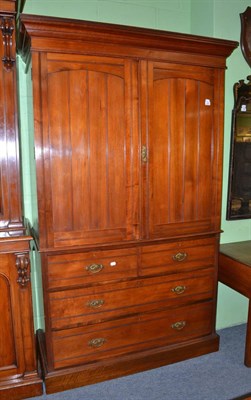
x=83, y=268
x=178, y=256
x=77, y=307
x=150, y=330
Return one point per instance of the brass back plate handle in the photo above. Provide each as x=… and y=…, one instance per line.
x=179, y=289
x=97, y=342
x=179, y=325
x=181, y=256
x=94, y=268
x=97, y=303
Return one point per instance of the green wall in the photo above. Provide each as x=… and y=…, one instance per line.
x=217, y=18
x=232, y=307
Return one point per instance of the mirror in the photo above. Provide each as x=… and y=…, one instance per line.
x=239, y=188
x=239, y=184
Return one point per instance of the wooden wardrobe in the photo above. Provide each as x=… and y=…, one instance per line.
x=128, y=145
x=18, y=375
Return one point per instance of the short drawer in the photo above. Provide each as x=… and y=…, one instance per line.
x=84, y=268
x=77, y=307
x=146, y=331
x=178, y=256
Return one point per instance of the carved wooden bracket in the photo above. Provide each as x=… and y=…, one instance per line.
x=23, y=267
x=7, y=28
x=242, y=92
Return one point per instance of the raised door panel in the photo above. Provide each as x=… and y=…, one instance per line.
x=7, y=344
x=90, y=157
x=183, y=149
x=10, y=202
x=11, y=351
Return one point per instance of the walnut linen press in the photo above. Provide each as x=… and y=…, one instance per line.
x=128, y=143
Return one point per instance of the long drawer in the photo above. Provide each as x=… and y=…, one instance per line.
x=96, y=266
x=78, y=269
x=77, y=307
x=122, y=336
x=177, y=256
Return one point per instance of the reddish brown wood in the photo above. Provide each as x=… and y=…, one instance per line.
x=235, y=266
x=247, y=360
x=75, y=269
x=86, y=305
x=235, y=272
x=183, y=127
x=8, y=6
x=125, y=365
x=192, y=255
x=244, y=397
x=106, y=168
x=18, y=374
x=18, y=389
x=10, y=200
x=135, y=333
x=128, y=137
x=49, y=33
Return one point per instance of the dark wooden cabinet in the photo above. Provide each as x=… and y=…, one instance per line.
x=18, y=375
x=10, y=200
x=128, y=140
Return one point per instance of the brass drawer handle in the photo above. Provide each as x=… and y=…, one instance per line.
x=179, y=289
x=97, y=342
x=179, y=325
x=180, y=256
x=95, y=303
x=94, y=268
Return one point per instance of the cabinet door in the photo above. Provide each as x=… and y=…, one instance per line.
x=11, y=345
x=88, y=177
x=183, y=170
